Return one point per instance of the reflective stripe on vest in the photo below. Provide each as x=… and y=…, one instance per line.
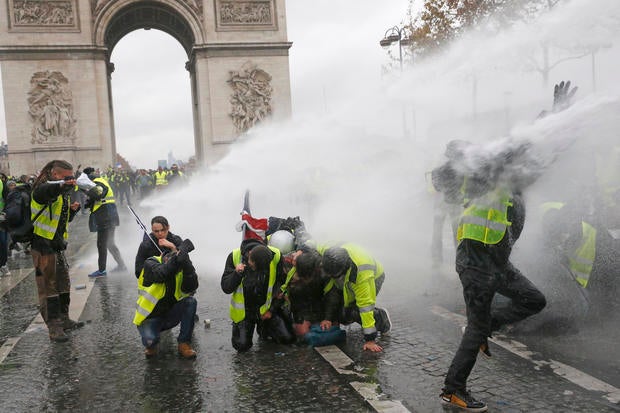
x=148, y=297
x=485, y=220
x=47, y=222
x=363, y=292
x=583, y=258
x=109, y=197
x=237, y=300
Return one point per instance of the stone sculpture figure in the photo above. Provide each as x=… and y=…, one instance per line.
x=44, y=13
x=251, y=98
x=50, y=104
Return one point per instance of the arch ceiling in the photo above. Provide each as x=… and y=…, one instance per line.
x=149, y=15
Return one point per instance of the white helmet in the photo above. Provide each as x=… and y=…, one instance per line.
x=282, y=240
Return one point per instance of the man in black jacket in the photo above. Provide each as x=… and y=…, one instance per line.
x=253, y=275
x=103, y=220
x=166, y=286
x=158, y=241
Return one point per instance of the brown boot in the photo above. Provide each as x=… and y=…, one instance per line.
x=150, y=352
x=56, y=331
x=186, y=351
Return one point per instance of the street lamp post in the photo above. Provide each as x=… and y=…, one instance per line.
x=392, y=35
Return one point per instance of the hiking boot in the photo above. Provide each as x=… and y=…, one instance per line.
x=120, y=268
x=186, y=351
x=56, y=331
x=97, y=274
x=383, y=321
x=484, y=349
x=69, y=324
x=463, y=400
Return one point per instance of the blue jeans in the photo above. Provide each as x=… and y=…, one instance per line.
x=182, y=312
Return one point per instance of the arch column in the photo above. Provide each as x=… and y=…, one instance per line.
x=56, y=73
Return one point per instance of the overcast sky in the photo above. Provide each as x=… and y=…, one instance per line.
x=151, y=88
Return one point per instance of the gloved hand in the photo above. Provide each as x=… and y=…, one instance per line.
x=186, y=246
x=95, y=192
x=562, y=96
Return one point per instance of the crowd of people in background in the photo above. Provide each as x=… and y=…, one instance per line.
x=128, y=185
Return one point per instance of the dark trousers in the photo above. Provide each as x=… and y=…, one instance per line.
x=4, y=248
x=105, y=243
x=123, y=192
x=478, y=291
x=182, y=312
x=275, y=327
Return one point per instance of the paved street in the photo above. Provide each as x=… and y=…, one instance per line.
x=102, y=368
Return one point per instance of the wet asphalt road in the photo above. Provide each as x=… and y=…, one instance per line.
x=102, y=367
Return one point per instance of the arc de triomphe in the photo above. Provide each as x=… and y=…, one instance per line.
x=56, y=72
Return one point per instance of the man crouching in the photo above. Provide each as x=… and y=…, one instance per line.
x=166, y=286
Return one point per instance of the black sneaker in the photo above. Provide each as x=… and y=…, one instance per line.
x=463, y=400
x=383, y=321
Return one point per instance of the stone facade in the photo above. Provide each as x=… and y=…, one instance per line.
x=56, y=72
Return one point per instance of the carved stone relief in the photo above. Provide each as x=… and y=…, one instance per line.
x=258, y=14
x=251, y=98
x=50, y=106
x=28, y=13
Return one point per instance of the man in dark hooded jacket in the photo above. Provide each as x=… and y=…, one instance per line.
x=253, y=275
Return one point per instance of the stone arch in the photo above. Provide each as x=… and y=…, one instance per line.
x=117, y=19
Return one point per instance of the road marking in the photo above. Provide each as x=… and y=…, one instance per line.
x=8, y=282
x=571, y=374
x=79, y=297
x=370, y=392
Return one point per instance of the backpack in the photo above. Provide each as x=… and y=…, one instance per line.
x=17, y=211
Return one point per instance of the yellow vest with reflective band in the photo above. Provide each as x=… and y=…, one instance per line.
x=362, y=291
x=108, y=199
x=148, y=297
x=582, y=259
x=161, y=178
x=289, y=276
x=486, y=219
x=237, y=300
x=47, y=222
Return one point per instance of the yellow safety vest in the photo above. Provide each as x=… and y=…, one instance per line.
x=237, y=300
x=148, y=297
x=161, y=178
x=582, y=259
x=362, y=291
x=108, y=199
x=486, y=219
x=47, y=222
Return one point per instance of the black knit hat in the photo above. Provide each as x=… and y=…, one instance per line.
x=89, y=170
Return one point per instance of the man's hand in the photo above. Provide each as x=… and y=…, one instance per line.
x=75, y=206
x=326, y=325
x=240, y=268
x=562, y=96
x=167, y=244
x=372, y=346
x=266, y=316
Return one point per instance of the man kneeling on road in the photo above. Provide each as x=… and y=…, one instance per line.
x=357, y=278
x=165, y=287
